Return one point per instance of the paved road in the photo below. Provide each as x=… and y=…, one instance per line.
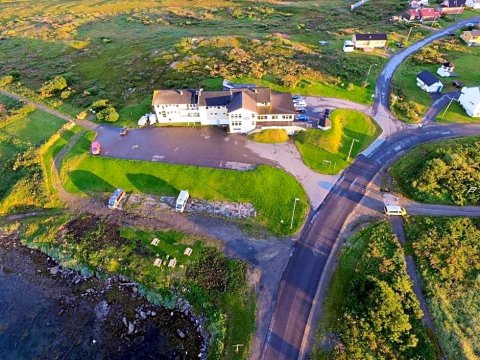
x=290, y=324
x=414, y=208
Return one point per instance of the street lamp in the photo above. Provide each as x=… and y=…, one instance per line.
x=351, y=147
x=293, y=213
x=368, y=72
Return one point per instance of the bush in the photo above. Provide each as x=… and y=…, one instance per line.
x=442, y=172
x=410, y=110
x=270, y=136
x=216, y=273
x=99, y=104
x=6, y=80
x=65, y=94
x=50, y=87
x=82, y=115
x=108, y=114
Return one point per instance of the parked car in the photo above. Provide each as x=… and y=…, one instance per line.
x=297, y=97
x=96, y=148
x=300, y=109
x=301, y=117
x=400, y=45
x=301, y=103
x=457, y=84
x=124, y=131
x=116, y=198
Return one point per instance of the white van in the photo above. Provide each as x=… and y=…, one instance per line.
x=394, y=210
x=182, y=200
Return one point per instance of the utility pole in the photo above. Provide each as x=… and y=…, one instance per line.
x=446, y=109
x=293, y=213
x=351, y=147
x=368, y=72
x=408, y=36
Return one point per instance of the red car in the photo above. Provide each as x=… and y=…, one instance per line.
x=96, y=148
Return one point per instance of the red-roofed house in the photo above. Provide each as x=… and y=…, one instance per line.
x=428, y=14
x=411, y=14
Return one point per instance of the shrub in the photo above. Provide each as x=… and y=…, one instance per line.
x=65, y=94
x=6, y=80
x=82, y=115
x=108, y=114
x=99, y=104
x=51, y=86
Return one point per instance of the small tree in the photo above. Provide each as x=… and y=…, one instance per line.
x=49, y=87
x=108, y=114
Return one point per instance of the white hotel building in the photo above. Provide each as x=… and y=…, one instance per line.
x=240, y=109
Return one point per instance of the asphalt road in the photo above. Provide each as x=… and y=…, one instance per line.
x=438, y=105
x=442, y=210
x=290, y=320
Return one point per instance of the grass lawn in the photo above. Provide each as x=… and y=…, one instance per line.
x=447, y=253
x=95, y=246
x=271, y=136
x=326, y=151
x=314, y=88
x=49, y=151
x=455, y=114
x=372, y=253
x=22, y=183
x=452, y=49
x=441, y=172
x=35, y=128
x=270, y=190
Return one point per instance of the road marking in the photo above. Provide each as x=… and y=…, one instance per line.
x=397, y=148
x=446, y=132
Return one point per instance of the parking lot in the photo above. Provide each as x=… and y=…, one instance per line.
x=203, y=146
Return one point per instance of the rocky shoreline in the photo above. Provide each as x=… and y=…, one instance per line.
x=49, y=310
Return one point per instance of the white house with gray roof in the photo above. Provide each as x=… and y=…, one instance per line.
x=470, y=100
x=241, y=109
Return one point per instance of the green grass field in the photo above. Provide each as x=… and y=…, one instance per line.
x=270, y=190
x=372, y=253
x=447, y=255
x=22, y=184
x=455, y=114
x=326, y=151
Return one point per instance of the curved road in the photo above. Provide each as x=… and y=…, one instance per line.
x=292, y=325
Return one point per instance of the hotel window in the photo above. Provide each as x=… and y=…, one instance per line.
x=274, y=117
x=237, y=123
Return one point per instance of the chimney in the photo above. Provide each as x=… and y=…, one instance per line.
x=180, y=92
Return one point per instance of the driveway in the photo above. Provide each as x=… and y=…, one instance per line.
x=438, y=105
x=202, y=146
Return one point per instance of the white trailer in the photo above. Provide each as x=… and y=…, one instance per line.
x=182, y=200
